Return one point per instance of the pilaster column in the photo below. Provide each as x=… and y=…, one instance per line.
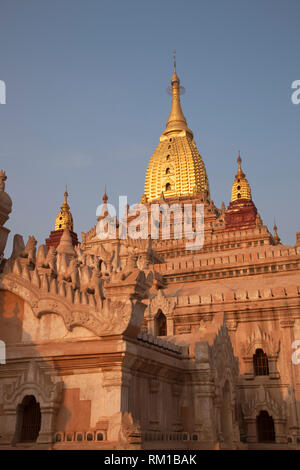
x=251, y=430
x=47, y=425
x=13, y=423
x=176, y=393
x=170, y=326
x=273, y=373
x=204, y=411
x=280, y=434
x=291, y=372
x=150, y=325
x=154, y=419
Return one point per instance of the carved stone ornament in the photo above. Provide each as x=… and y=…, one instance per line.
x=259, y=339
x=35, y=382
x=161, y=302
x=263, y=400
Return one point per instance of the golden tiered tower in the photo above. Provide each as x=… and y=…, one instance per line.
x=241, y=212
x=64, y=218
x=176, y=167
x=240, y=188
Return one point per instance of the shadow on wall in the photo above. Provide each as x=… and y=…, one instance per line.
x=32, y=398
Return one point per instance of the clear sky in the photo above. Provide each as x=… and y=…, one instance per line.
x=86, y=101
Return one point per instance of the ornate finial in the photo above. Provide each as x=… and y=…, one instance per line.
x=175, y=79
x=104, y=211
x=240, y=173
x=105, y=197
x=66, y=196
x=276, y=236
x=176, y=122
x=174, y=60
x=65, y=206
x=3, y=178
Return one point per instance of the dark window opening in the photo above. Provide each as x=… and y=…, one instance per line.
x=265, y=427
x=260, y=363
x=30, y=419
x=160, y=324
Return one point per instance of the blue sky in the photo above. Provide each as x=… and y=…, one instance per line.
x=86, y=101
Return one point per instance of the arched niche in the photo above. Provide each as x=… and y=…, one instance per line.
x=160, y=324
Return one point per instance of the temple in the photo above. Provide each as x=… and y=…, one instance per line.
x=150, y=343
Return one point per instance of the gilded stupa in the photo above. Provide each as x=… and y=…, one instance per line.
x=240, y=188
x=64, y=218
x=176, y=168
x=241, y=211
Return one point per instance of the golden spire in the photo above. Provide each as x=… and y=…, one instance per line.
x=240, y=174
x=176, y=122
x=240, y=188
x=276, y=236
x=65, y=205
x=64, y=218
x=176, y=168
